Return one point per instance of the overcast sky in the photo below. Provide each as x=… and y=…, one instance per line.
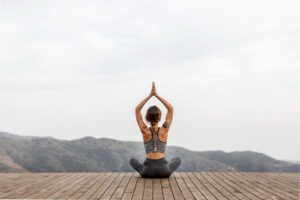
x=230, y=69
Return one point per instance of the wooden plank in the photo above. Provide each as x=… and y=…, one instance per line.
x=139, y=189
x=24, y=186
x=280, y=177
x=11, y=180
x=157, y=189
x=286, y=190
x=241, y=190
x=11, y=176
x=128, y=193
x=175, y=188
x=9, y=185
x=209, y=186
x=26, y=191
x=148, y=189
x=68, y=187
x=282, y=181
x=14, y=184
x=121, y=188
x=265, y=186
x=218, y=186
x=100, y=191
x=279, y=186
x=114, y=185
x=3, y=176
x=239, y=185
x=96, y=186
x=251, y=185
x=283, y=176
x=246, y=186
x=201, y=187
x=293, y=175
x=230, y=192
x=78, y=189
x=52, y=187
x=7, y=177
x=166, y=188
x=290, y=175
x=194, y=190
x=87, y=186
x=74, y=186
x=242, y=187
x=294, y=178
x=183, y=187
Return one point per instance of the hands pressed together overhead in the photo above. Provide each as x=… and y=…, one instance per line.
x=153, y=93
x=153, y=90
x=139, y=107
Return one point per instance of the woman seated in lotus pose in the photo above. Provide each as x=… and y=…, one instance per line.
x=155, y=140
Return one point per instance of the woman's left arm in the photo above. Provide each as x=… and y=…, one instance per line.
x=138, y=114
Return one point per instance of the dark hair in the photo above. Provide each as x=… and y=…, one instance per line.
x=153, y=115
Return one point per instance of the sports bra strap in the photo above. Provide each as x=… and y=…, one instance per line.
x=155, y=145
x=152, y=130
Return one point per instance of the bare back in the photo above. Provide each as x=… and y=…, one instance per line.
x=163, y=131
x=162, y=134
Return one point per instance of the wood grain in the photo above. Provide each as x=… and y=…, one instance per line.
x=130, y=185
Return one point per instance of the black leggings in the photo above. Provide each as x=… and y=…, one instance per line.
x=155, y=168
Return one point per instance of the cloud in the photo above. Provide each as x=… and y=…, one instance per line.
x=73, y=68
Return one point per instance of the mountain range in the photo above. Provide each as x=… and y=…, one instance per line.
x=88, y=154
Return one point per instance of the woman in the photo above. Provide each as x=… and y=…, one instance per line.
x=155, y=140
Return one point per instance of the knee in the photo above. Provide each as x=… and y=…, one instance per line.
x=132, y=161
x=177, y=160
x=174, y=163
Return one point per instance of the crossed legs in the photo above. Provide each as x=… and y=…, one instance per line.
x=166, y=171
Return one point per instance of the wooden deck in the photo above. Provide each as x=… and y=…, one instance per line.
x=127, y=185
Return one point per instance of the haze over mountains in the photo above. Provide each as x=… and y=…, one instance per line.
x=88, y=154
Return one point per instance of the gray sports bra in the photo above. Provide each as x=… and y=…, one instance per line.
x=155, y=145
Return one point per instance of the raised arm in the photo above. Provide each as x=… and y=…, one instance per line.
x=138, y=114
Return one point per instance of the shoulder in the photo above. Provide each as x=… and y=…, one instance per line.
x=163, y=134
x=166, y=124
x=147, y=135
x=149, y=131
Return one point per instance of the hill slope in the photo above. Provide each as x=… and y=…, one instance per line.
x=38, y=154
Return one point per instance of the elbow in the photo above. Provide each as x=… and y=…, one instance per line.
x=137, y=109
x=170, y=108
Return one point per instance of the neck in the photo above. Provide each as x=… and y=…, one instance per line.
x=154, y=126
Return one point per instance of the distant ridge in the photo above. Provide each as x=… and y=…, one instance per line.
x=14, y=136
x=89, y=154
x=293, y=161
